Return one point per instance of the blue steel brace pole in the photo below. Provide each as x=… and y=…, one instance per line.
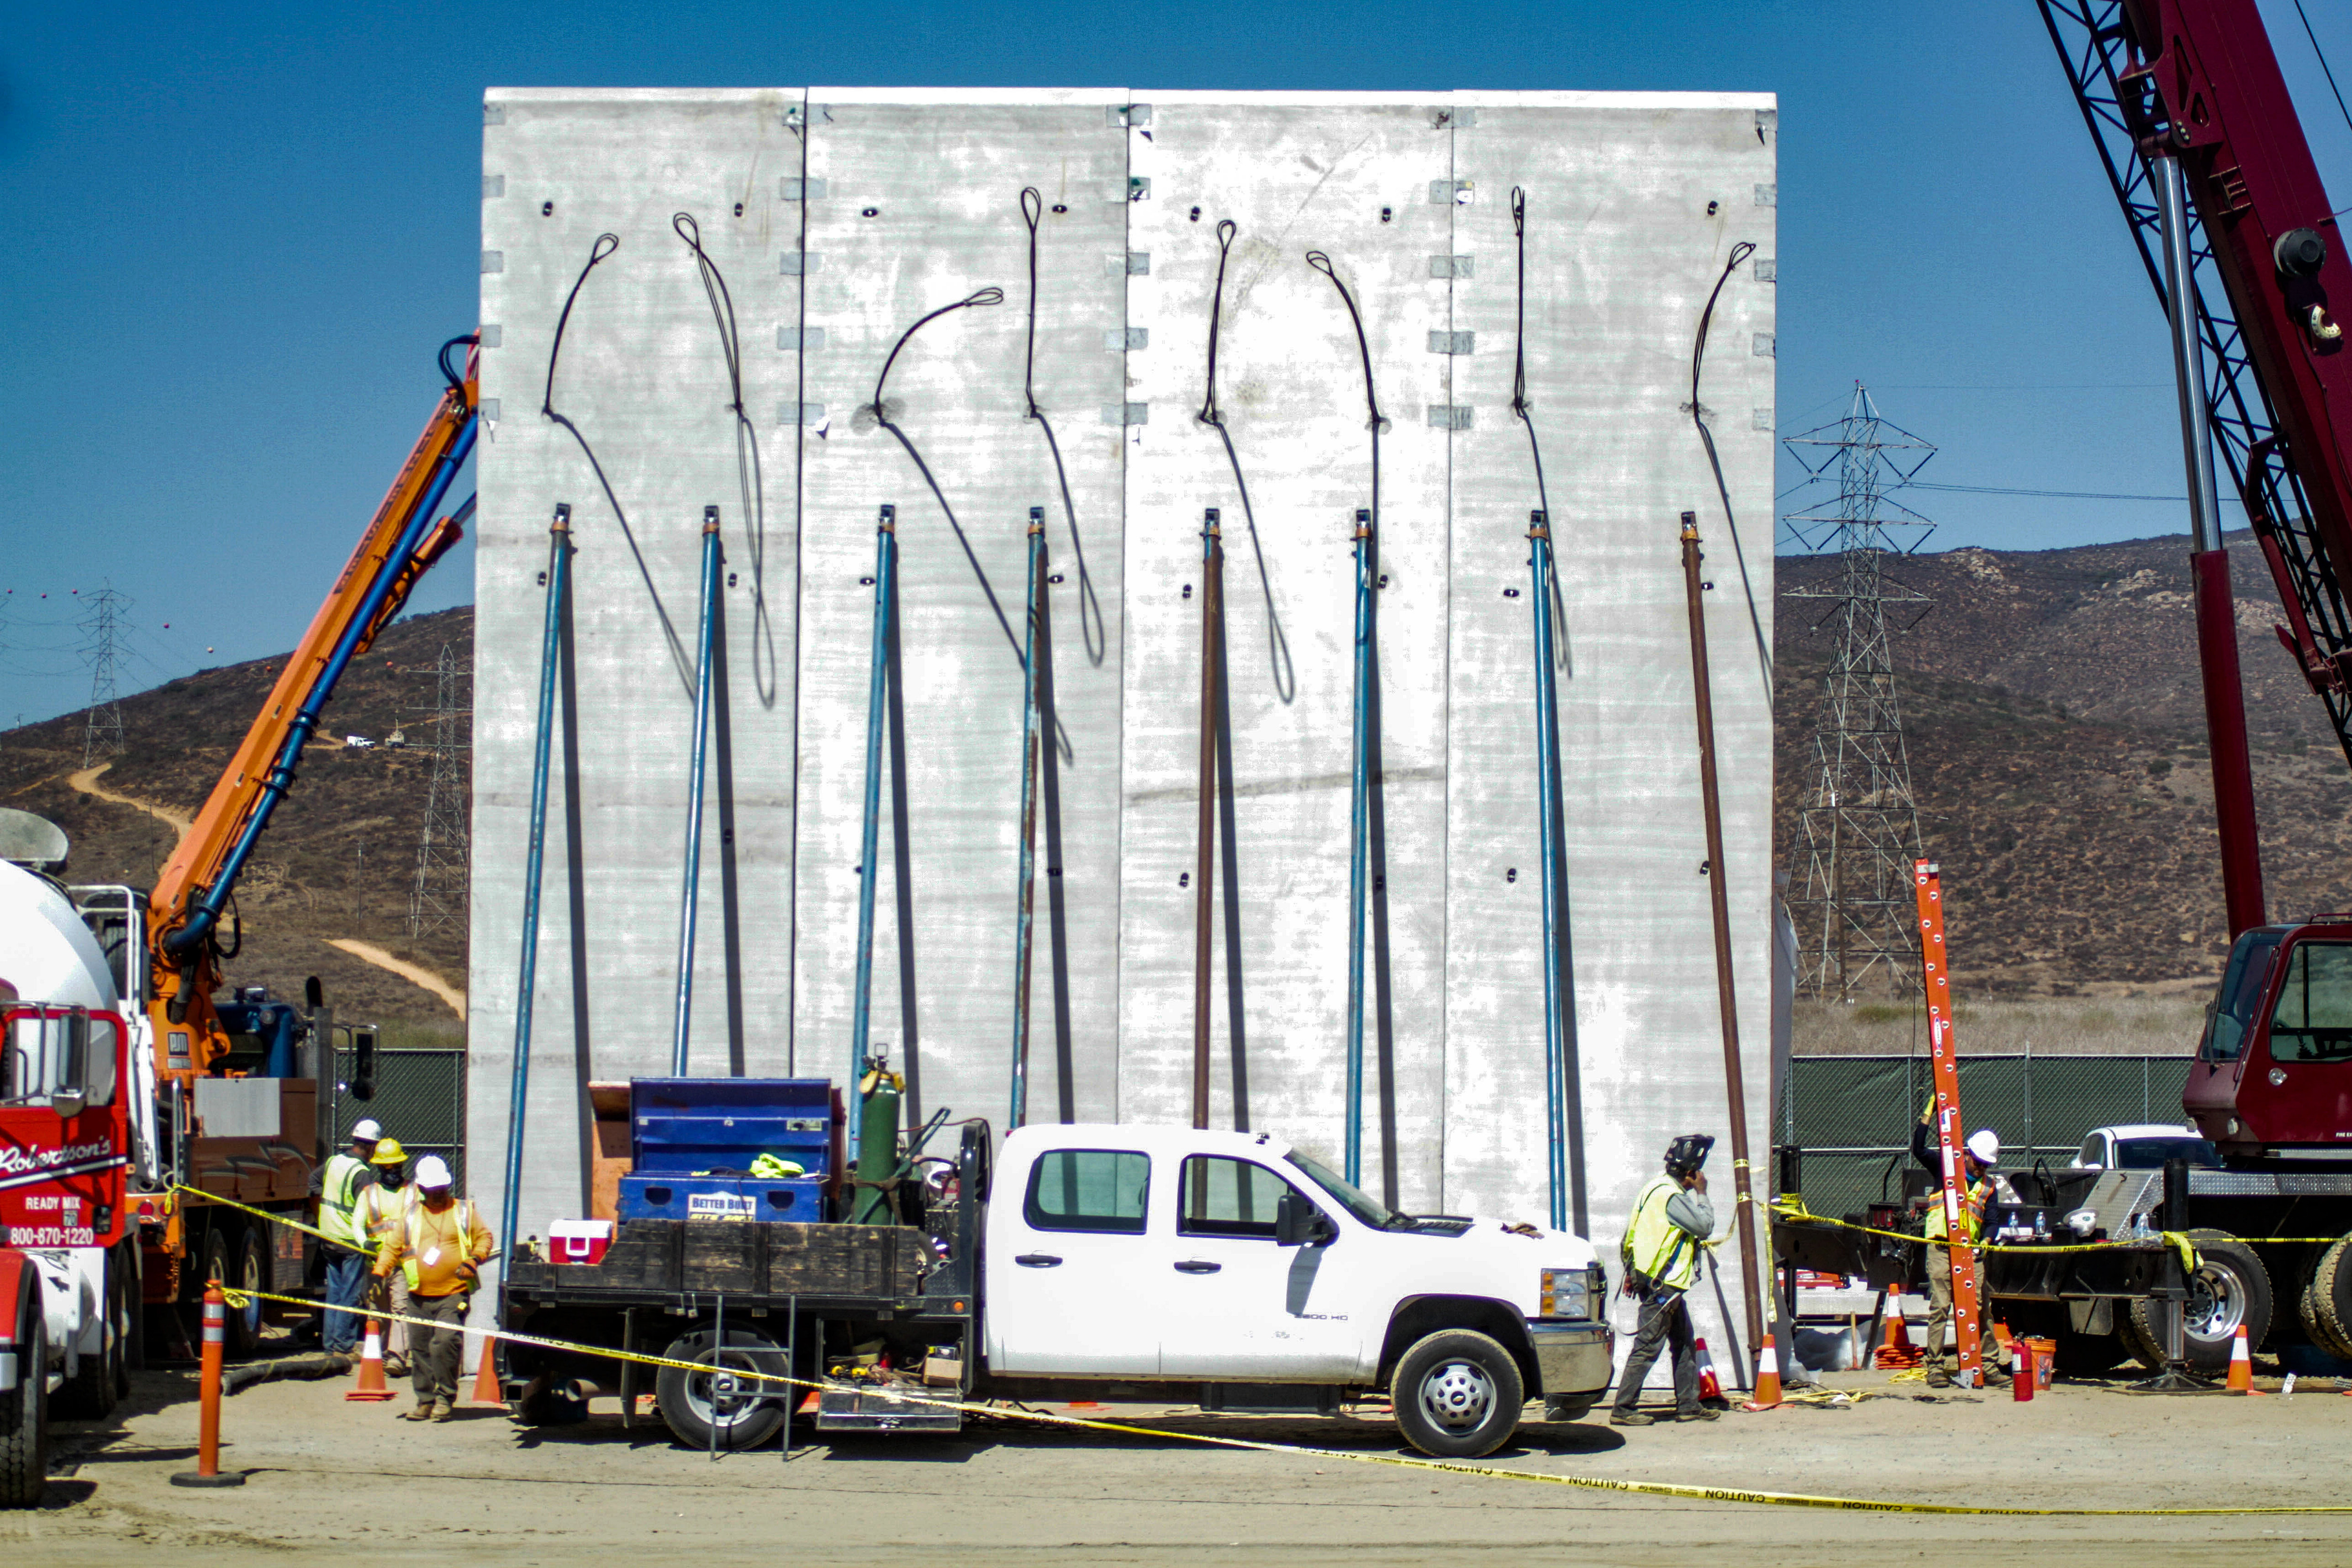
x=1547, y=792
x=1029, y=725
x=1359, y=846
x=678, y=1049
x=886, y=606
x=559, y=568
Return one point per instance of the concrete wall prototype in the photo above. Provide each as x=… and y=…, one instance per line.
x=837, y=218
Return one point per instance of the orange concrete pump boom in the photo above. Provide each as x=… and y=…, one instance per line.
x=199, y=880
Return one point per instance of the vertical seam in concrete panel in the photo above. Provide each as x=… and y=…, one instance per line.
x=1445, y=718
x=1118, y=825
x=799, y=608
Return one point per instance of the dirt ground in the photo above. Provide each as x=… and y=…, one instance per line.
x=334, y=1478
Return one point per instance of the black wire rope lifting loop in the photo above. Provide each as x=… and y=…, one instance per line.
x=1322, y=263
x=1286, y=678
x=747, y=476
x=991, y=295
x=1210, y=413
x=1033, y=207
x=606, y=244
x=1090, y=615
x=1741, y=252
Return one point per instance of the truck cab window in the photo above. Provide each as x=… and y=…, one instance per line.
x=1228, y=1197
x=2241, y=990
x=1088, y=1190
x=2314, y=1019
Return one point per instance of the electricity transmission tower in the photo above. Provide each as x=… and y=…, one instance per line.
x=444, y=849
x=102, y=625
x=1853, y=902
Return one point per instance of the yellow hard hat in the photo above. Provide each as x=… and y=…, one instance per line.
x=388, y=1151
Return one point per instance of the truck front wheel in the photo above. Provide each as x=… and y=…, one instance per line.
x=1457, y=1394
x=742, y=1412
x=25, y=1416
x=2229, y=1289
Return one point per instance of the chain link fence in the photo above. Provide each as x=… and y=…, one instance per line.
x=1852, y=1116
x=418, y=1097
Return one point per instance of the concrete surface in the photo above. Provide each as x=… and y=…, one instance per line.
x=1634, y=204
x=349, y=1482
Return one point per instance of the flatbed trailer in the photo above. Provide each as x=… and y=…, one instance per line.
x=790, y=1300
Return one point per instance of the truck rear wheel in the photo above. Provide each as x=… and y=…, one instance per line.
x=1457, y=1394
x=24, y=1417
x=2231, y=1288
x=697, y=1404
x=2327, y=1301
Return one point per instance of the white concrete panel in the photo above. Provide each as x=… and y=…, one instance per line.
x=644, y=377
x=1352, y=183
x=1631, y=217
x=921, y=208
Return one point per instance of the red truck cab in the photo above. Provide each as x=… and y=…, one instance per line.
x=2275, y=1068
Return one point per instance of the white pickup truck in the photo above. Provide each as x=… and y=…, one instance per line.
x=1167, y=1264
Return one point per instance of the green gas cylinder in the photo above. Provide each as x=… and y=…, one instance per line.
x=879, y=1094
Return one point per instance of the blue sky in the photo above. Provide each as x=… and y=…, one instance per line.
x=237, y=234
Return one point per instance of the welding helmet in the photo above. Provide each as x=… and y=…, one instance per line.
x=1687, y=1153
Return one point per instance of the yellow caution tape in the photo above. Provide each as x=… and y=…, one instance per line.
x=290, y=1224
x=1401, y=1461
x=1793, y=1209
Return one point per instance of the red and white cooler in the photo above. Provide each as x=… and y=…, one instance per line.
x=579, y=1240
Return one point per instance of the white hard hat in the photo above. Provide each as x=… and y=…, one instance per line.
x=432, y=1172
x=367, y=1131
x=1985, y=1144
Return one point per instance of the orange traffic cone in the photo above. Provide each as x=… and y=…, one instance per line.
x=2242, y=1364
x=1709, y=1385
x=1768, y=1378
x=488, y=1387
x=1897, y=1352
x=370, y=1386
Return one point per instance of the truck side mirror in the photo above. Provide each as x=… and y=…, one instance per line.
x=1297, y=1222
x=69, y=1089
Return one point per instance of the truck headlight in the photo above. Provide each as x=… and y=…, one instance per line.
x=1566, y=1293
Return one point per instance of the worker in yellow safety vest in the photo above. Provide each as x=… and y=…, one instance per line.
x=1673, y=1219
x=1978, y=1159
x=337, y=1185
x=438, y=1247
x=383, y=1204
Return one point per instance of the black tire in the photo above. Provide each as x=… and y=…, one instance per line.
x=2230, y=1288
x=124, y=1276
x=1457, y=1394
x=2327, y=1301
x=24, y=1417
x=252, y=1254
x=91, y=1393
x=691, y=1407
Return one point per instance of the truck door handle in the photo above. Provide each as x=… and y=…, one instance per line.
x=1194, y=1265
x=1038, y=1261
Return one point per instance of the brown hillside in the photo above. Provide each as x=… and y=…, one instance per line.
x=340, y=857
x=2057, y=732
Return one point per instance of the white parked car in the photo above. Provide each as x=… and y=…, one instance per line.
x=2144, y=1146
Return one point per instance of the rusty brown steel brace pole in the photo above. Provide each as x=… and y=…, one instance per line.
x=1212, y=640
x=1727, y=997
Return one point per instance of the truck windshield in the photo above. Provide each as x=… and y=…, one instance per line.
x=2314, y=1021
x=2234, y=1005
x=1347, y=1194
